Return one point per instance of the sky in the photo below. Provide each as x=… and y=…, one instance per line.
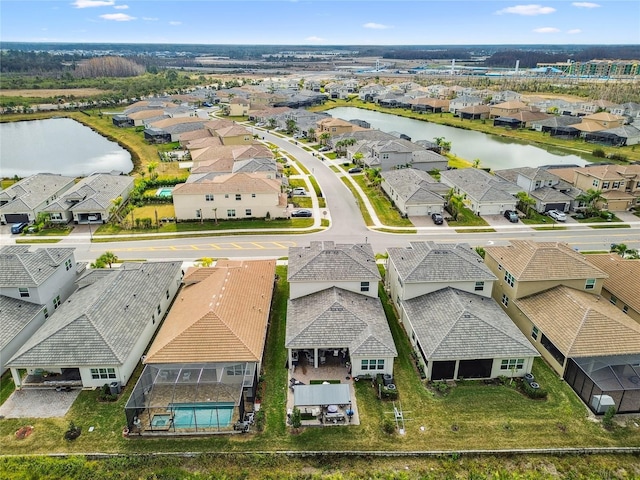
x=322, y=22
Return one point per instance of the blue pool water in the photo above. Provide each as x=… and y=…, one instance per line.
x=164, y=192
x=201, y=415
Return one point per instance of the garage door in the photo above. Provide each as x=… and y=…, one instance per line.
x=554, y=206
x=16, y=217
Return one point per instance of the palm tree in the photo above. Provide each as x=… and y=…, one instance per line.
x=109, y=258
x=324, y=137
x=443, y=143
x=591, y=198
x=311, y=133
x=152, y=170
x=525, y=203
x=292, y=126
x=205, y=262
x=115, y=207
x=624, y=251
x=476, y=163
x=357, y=158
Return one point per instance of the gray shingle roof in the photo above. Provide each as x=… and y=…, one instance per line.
x=452, y=324
x=93, y=193
x=34, y=190
x=16, y=315
x=480, y=185
x=438, y=262
x=335, y=318
x=101, y=322
x=20, y=267
x=326, y=261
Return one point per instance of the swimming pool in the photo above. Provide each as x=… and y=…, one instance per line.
x=164, y=192
x=202, y=415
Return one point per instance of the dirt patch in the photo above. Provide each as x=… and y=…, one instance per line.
x=24, y=432
x=53, y=92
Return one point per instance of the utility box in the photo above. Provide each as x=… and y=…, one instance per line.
x=601, y=403
x=114, y=388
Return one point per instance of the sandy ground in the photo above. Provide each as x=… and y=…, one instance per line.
x=53, y=92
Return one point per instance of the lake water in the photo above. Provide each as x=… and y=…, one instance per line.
x=58, y=145
x=493, y=151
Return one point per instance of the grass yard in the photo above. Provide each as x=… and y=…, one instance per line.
x=466, y=218
x=363, y=209
x=386, y=213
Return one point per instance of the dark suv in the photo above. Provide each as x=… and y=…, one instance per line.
x=511, y=215
x=437, y=218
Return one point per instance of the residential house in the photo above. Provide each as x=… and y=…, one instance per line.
x=623, y=283
x=506, y=109
x=334, y=126
x=368, y=93
x=463, y=101
x=548, y=190
x=99, y=334
x=91, y=199
x=443, y=296
x=554, y=295
x=598, y=122
x=617, y=137
x=170, y=129
x=230, y=196
x=619, y=184
x=235, y=135
x=522, y=119
x=33, y=284
x=558, y=126
x=209, y=350
x=397, y=153
x=482, y=193
x=334, y=309
x=239, y=107
x=430, y=105
x=476, y=112
x=24, y=200
x=413, y=192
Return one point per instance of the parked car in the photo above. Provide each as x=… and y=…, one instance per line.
x=324, y=149
x=298, y=191
x=18, y=227
x=511, y=215
x=437, y=218
x=207, y=104
x=557, y=215
x=355, y=170
x=302, y=213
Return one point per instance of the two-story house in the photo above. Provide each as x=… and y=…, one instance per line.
x=442, y=293
x=205, y=360
x=554, y=295
x=230, y=196
x=334, y=310
x=33, y=284
x=239, y=107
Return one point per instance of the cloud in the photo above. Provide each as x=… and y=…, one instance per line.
x=546, y=30
x=585, y=5
x=376, y=26
x=93, y=3
x=121, y=7
x=529, y=10
x=117, y=17
x=314, y=39
x=573, y=31
x=175, y=23
x=150, y=19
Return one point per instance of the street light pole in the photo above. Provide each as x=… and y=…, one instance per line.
x=90, y=232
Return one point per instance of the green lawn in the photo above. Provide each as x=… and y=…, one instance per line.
x=386, y=213
x=363, y=209
x=466, y=218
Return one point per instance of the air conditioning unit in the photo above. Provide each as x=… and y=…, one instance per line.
x=601, y=403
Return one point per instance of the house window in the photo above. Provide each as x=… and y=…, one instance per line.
x=55, y=216
x=616, y=184
x=198, y=213
x=253, y=195
x=505, y=300
x=364, y=286
x=509, y=278
x=24, y=292
x=159, y=310
x=231, y=213
x=209, y=197
x=625, y=309
x=512, y=364
x=46, y=312
x=605, y=185
x=372, y=364
x=479, y=286
x=167, y=294
x=596, y=183
x=499, y=267
x=238, y=196
x=613, y=299
x=247, y=212
x=153, y=319
x=590, y=284
x=103, y=373
x=385, y=156
x=534, y=333
x=226, y=195
x=67, y=264
x=235, y=370
x=56, y=302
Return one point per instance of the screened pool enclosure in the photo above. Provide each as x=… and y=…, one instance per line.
x=187, y=398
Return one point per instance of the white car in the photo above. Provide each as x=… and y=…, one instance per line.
x=557, y=215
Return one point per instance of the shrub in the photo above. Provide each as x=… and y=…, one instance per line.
x=607, y=420
x=617, y=156
x=296, y=418
x=73, y=432
x=598, y=152
x=440, y=386
x=533, y=392
x=388, y=426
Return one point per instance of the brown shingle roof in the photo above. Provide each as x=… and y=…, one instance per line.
x=220, y=315
x=624, y=277
x=532, y=261
x=580, y=324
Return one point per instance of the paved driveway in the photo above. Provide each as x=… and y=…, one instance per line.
x=34, y=403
